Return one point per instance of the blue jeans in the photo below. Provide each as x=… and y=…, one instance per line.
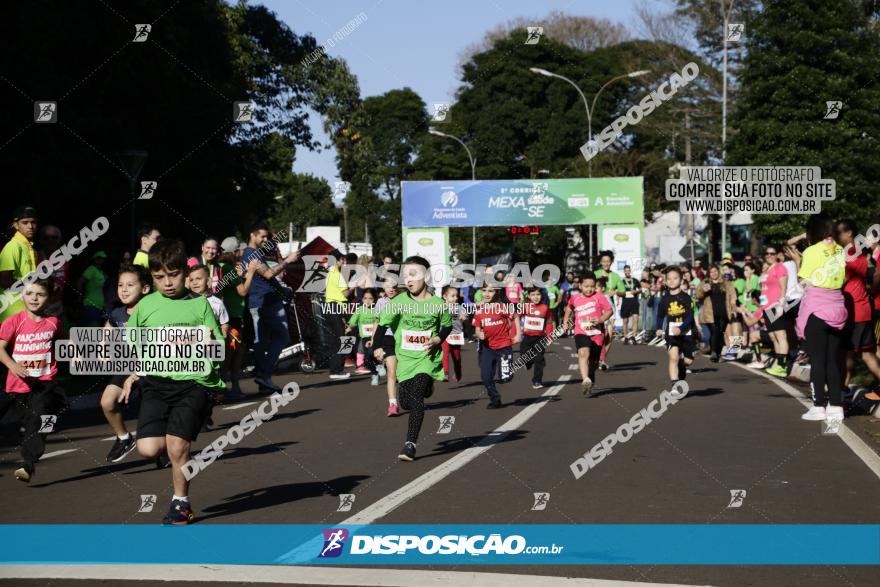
x=270, y=336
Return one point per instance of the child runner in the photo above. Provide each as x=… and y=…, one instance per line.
x=453, y=343
x=388, y=362
x=134, y=283
x=537, y=334
x=493, y=326
x=421, y=323
x=591, y=309
x=614, y=288
x=821, y=317
x=199, y=284
x=629, y=307
x=30, y=382
x=174, y=407
x=677, y=307
x=364, y=320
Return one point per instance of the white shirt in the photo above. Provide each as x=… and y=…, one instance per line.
x=793, y=289
x=219, y=310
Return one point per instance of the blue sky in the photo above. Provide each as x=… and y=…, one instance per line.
x=417, y=44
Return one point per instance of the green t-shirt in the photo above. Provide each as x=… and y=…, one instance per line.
x=553, y=296
x=363, y=319
x=415, y=324
x=94, y=286
x=17, y=256
x=739, y=285
x=823, y=266
x=615, y=283
x=155, y=310
x=141, y=258
x=235, y=304
x=478, y=297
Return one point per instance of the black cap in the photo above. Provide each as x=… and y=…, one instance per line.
x=24, y=212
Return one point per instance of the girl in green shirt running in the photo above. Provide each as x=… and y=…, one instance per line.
x=421, y=322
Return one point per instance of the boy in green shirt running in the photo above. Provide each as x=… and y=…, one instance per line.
x=174, y=406
x=421, y=322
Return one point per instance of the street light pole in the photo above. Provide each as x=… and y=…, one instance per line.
x=725, y=13
x=590, y=111
x=473, y=161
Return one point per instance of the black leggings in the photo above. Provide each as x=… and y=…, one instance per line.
x=822, y=344
x=412, y=393
x=44, y=399
x=717, y=329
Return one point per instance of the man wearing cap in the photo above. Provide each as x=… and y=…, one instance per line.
x=91, y=286
x=18, y=258
x=148, y=235
x=209, y=260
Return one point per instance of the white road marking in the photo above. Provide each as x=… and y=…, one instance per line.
x=574, y=355
x=572, y=367
x=850, y=438
x=57, y=453
x=322, y=575
x=239, y=406
x=108, y=438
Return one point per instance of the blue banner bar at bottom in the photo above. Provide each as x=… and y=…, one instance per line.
x=302, y=544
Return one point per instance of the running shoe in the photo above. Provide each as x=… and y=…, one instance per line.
x=381, y=370
x=25, y=472
x=361, y=371
x=537, y=385
x=349, y=363
x=603, y=366
x=234, y=392
x=179, y=514
x=408, y=452
x=121, y=448
x=162, y=461
x=340, y=375
x=713, y=357
x=493, y=404
x=587, y=386
x=814, y=414
x=393, y=410
x=777, y=370
x=374, y=380
x=757, y=364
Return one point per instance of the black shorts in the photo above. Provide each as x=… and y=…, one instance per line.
x=176, y=408
x=780, y=323
x=859, y=337
x=388, y=346
x=685, y=344
x=582, y=341
x=629, y=307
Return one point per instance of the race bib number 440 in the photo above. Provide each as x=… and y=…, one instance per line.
x=415, y=340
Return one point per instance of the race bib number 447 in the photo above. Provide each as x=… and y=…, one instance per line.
x=415, y=340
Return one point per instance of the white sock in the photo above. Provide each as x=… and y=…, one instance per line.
x=125, y=437
x=392, y=402
x=184, y=499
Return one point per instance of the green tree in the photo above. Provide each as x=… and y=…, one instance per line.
x=801, y=54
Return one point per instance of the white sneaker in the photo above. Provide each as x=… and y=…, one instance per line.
x=834, y=413
x=756, y=365
x=340, y=375
x=815, y=414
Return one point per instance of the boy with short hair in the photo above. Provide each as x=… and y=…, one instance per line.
x=175, y=406
x=590, y=309
x=27, y=350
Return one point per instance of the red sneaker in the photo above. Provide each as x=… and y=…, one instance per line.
x=393, y=410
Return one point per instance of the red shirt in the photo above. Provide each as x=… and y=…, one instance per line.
x=494, y=319
x=536, y=320
x=855, y=294
x=29, y=343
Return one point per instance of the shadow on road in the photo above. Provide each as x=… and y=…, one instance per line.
x=458, y=444
x=459, y=403
x=266, y=497
x=632, y=366
x=275, y=418
x=704, y=392
x=616, y=390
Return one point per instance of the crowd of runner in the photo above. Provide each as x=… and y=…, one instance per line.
x=811, y=301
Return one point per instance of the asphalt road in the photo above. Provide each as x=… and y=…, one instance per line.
x=735, y=430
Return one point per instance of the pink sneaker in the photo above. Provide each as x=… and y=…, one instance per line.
x=393, y=410
x=361, y=371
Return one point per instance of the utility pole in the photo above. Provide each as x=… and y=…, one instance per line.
x=687, y=162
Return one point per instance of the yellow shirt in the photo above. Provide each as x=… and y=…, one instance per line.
x=823, y=266
x=334, y=286
x=17, y=256
x=142, y=259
